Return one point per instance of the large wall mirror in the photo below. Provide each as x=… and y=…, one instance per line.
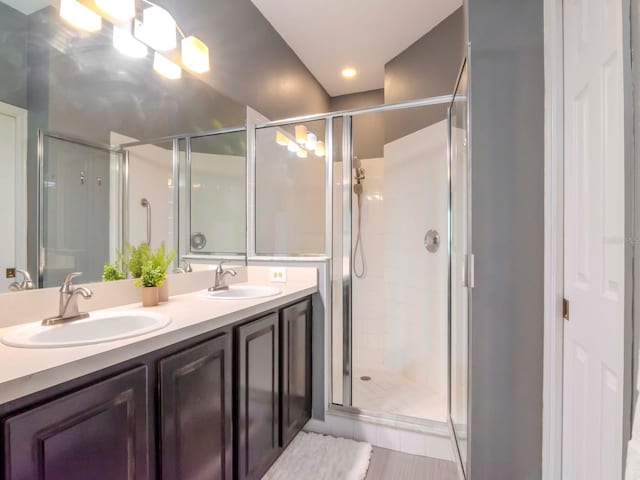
x=71, y=194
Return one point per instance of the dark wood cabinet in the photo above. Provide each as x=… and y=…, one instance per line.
x=219, y=406
x=196, y=412
x=100, y=432
x=258, y=406
x=296, y=369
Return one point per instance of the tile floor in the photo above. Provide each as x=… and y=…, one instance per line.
x=390, y=392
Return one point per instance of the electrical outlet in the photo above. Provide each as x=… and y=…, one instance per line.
x=278, y=274
x=11, y=273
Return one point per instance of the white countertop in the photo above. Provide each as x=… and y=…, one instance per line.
x=24, y=371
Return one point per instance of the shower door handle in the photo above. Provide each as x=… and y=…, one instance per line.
x=145, y=203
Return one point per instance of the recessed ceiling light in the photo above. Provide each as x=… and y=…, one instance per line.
x=349, y=72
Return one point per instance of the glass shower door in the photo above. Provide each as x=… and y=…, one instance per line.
x=79, y=209
x=459, y=277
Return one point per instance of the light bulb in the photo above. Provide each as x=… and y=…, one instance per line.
x=320, y=151
x=158, y=29
x=293, y=146
x=166, y=67
x=282, y=139
x=118, y=10
x=312, y=141
x=302, y=153
x=125, y=43
x=301, y=134
x=80, y=16
x=195, y=55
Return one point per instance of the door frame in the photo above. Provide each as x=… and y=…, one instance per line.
x=554, y=235
x=21, y=214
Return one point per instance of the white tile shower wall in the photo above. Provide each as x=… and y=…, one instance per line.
x=218, y=201
x=150, y=177
x=415, y=201
x=369, y=307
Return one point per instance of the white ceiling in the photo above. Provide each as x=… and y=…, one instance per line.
x=328, y=35
x=28, y=6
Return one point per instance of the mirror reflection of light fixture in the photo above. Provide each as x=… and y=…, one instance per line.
x=80, y=16
x=293, y=146
x=124, y=42
x=195, y=54
x=320, y=150
x=302, y=153
x=158, y=29
x=282, y=139
x=312, y=141
x=166, y=67
x=118, y=10
x=301, y=134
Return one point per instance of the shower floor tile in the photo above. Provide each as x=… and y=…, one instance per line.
x=390, y=392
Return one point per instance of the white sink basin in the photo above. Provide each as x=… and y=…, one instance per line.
x=98, y=328
x=243, y=292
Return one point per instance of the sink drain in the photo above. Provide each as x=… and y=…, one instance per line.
x=365, y=378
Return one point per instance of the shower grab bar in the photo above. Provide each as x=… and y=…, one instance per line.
x=145, y=203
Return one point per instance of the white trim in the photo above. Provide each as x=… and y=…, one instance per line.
x=21, y=116
x=553, y=239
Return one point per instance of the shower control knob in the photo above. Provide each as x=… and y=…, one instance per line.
x=432, y=241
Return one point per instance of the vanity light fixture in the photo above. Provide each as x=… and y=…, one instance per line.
x=157, y=29
x=80, y=16
x=302, y=153
x=166, y=67
x=320, y=150
x=117, y=10
x=195, y=54
x=124, y=42
x=301, y=134
x=293, y=146
x=282, y=139
x=312, y=141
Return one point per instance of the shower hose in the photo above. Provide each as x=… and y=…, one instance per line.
x=360, y=271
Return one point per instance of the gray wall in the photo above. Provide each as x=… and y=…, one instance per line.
x=13, y=58
x=507, y=154
x=427, y=68
x=368, y=130
x=251, y=63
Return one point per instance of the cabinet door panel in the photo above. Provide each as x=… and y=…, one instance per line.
x=196, y=412
x=296, y=369
x=100, y=432
x=258, y=396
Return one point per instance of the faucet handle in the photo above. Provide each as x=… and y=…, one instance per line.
x=66, y=285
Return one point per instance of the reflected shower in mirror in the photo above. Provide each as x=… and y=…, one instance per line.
x=218, y=195
x=58, y=78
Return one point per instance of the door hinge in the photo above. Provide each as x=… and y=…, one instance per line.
x=565, y=309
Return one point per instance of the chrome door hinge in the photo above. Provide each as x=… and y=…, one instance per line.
x=468, y=275
x=565, y=309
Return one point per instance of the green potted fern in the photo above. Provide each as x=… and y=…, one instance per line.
x=150, y=279
x=112, y=272
x=162, y=260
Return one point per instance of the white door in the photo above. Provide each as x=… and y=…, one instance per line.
x=13, y=238
x=593, y=245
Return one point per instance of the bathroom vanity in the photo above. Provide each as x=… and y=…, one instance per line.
x=216, y=394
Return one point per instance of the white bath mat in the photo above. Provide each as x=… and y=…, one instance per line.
x=311, y=456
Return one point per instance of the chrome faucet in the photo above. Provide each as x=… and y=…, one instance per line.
x=68, y=308
x=26, y=284
x=183, y=267
x=221, y=273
